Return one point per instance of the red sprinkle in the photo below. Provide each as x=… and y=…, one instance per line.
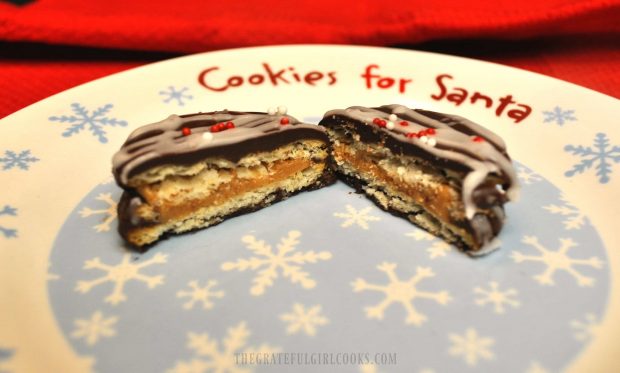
x=186, y=131
x=214, y=128
x=404, y=123
x=376, y=121
x=230, y=125
x=478, y=139
x=430, y=131
x=411, y=135
x=284, y=121
x=382, y=123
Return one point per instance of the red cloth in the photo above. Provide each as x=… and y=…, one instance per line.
x=572, y=30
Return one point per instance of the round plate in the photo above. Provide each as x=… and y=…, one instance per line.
x=324, y=281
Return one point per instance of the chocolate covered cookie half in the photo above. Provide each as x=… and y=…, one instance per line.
x=193, y=171
x=444, y=173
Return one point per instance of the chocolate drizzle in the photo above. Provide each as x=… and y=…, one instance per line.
x=164, y=142
x=456, y=143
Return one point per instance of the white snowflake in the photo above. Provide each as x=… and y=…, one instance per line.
x=198, y=294
x=211, y=356
x=497, y=297
x=302, y=320
x=421, y=235
x=109, y=212
x=585, y=329
x=439, y=248
x=557, y=260
x=536, y=367
x=119, y=275
x=98, y=326
x=471, y=347
x=269, y=262
x=179, y=95
x=353, y=216
x=403, y=292
x=573, y=218
x=527, y=176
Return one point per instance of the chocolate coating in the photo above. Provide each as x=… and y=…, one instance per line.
x=164, y=142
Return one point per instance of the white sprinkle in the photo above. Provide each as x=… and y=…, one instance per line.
x=432, y=141
x=207, y=136
x=390, y=125
x=424, y=139
x=282, y=110
x=400, y=170
x=272, y=111
x=393, y=117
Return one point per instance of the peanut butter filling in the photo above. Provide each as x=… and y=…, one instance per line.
x=438, y=199
x=179, y=204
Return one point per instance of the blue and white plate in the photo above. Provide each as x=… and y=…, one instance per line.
x=324, y=281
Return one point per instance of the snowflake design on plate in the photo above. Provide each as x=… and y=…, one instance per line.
x=21, y=160
x=403, y=292
x=198, y=294
x=108, y=212
x=439, y=248
x=559, y=116
x=498, y=298
x=94, y=328
x=285, y=259
x=585, y=329
x=302, y=320
x=220, y=357
x=120, y=274
x=353, y=216
x=8, y=211
x=180, y=95
x=527, y=176
x=600, y=155
x=557, y=260
x=95, y=122
x=573, y=218
x=471, y=346
x=420, y=235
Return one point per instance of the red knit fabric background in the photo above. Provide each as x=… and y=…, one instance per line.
x=47, y=46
